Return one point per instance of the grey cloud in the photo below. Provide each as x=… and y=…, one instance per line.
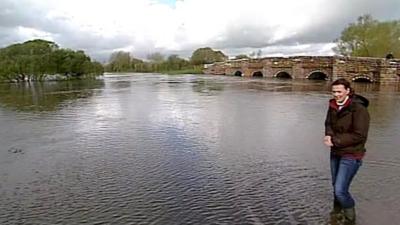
x=245, y=36
x=329, y=25
x=12, y=16
x=94, y=44
x=326, y=27
x=7, y=37
x=97, y=47
x=23, y=14
x=282, y=50
x=87, y=41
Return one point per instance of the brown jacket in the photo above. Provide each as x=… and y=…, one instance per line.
x=349, y=126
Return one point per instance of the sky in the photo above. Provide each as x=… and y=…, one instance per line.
x=143, y=27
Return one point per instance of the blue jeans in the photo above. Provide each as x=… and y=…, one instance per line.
x=343, y=171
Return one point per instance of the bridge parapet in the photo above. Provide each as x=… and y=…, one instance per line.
x=365, y=68
x=313, y=67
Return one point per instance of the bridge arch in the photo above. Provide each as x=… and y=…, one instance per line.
x=257, y=74
x=238, y=73
x=317, y=75
x=283, y=75
x=362, y=78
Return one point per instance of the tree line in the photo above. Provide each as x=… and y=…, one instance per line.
x=38, y=59
x=156, y=62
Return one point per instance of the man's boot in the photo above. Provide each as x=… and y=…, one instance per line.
x=349, y=216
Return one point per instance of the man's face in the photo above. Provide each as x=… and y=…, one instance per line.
x=339, y=92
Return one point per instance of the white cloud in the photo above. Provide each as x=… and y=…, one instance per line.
x=29, y=33
x=145, y=26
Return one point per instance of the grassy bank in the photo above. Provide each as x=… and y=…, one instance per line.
x=185, y=71
x=194, y=70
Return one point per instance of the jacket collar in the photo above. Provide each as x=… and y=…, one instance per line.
x=335, y=106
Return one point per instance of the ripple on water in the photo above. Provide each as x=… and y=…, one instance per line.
x=156, y=150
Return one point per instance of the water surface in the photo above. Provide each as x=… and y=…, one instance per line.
x=187, y=149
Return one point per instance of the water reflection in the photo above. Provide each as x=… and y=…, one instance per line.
x=375, y=87
x=207, y=86
x=283, y=85
x=45, y=96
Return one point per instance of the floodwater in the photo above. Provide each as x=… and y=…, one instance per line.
x=186, y=149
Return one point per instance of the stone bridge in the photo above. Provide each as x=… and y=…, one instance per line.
x=312, y=67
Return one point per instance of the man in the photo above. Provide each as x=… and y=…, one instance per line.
x=346, y=131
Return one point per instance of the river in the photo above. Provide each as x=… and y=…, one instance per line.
x=186, y=149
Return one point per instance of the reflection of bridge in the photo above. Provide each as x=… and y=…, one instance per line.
x=312, y=67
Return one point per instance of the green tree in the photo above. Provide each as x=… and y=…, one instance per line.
x=369, y=38
x=174, y=62
x=136, y=64
x=120, y=61
x=242, y=56
x=31, y=60
x=156, y=57
x=206, y=56
x=34, y=60
x=156, y=62
x=259, y=53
